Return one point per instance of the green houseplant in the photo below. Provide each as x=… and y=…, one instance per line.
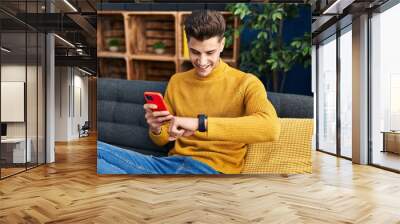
x=114, y=44
x=159, y=47
x=269, y=56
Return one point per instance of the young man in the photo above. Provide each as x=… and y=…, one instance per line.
x=214, y=110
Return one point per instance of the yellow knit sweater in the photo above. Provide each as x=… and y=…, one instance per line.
x=238, y=111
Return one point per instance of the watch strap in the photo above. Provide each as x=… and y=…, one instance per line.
x=202, y=122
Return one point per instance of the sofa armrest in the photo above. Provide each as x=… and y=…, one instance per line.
x=290, y=154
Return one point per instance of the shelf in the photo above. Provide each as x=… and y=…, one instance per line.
x=153, y=57
x=112, y=68
x=153, y=71
x=146, y=30
x=111, y=26
x=108, y=54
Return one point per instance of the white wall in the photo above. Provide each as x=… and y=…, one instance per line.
x=14, y=73
x=80, y=110
x=33, y=127
x=70, y=83
x=61, y=103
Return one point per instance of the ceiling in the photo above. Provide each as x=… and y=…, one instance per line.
x=20, y=54
x=72, y=20
x=337, y=14
x=78, y=27
x=39, y=6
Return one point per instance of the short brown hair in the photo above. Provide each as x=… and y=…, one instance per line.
x=205, y=24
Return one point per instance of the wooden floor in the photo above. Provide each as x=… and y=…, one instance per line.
x=10, y=171
x=5, y=172
x=70, y=191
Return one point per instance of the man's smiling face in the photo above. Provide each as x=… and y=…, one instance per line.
x=205, y=54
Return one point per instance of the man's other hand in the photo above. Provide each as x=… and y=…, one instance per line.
x=182, y=126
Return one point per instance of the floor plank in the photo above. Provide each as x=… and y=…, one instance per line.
x=70, y=191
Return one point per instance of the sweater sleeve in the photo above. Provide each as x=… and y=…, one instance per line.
x=260, y=123
x=162, y=138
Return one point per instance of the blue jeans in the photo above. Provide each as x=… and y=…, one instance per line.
x=114, y=160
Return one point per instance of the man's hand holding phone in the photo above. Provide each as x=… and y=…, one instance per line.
x=157, y=114
x=156, y=111
x=156, y=119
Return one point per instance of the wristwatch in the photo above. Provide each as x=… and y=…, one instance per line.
x=202, y=122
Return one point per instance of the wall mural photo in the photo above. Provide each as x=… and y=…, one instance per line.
x=205, y=89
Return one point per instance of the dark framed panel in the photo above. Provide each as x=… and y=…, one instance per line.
x=333, y=33
x=25, y=56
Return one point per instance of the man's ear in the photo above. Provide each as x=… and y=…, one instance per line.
x=222, y=44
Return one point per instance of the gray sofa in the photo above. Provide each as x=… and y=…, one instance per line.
x=120, y=113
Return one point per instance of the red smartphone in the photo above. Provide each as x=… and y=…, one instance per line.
x=157, y=99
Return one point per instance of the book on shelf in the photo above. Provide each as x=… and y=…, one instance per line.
x=185, y=48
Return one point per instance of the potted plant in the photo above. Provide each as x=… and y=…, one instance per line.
x=114, y=44
x=159, y=47
x=268, y=55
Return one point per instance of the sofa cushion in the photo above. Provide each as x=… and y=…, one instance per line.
x=290, y=154
x=120, y=114
x=292, y=105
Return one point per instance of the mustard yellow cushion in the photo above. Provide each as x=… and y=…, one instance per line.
x=289, y=155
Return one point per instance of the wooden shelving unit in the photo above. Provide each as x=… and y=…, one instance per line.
x=111, y=25
x=138, y=31
x=112, y=68
x=154, y=71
